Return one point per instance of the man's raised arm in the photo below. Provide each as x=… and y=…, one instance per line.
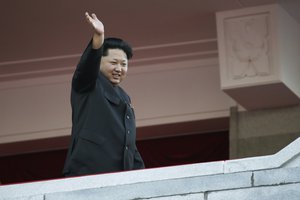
x=87, y=69
x=98, y=27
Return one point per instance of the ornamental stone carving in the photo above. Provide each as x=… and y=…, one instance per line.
x=247, y=46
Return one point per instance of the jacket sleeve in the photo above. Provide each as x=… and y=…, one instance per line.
x=87, y=70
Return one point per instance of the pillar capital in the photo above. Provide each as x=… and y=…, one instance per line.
x=257, y=59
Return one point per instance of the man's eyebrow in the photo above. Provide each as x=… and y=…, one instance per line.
x=122, y=60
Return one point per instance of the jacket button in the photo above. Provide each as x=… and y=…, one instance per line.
x=126, y=147
x=128, y=131
x=127, y=116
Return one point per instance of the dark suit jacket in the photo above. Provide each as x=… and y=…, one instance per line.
x=103, y=132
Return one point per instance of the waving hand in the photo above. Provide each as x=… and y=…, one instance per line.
x=98, y=28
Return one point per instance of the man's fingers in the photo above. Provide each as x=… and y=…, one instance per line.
x=90, y=18
x=87, y=17
x=94, y=16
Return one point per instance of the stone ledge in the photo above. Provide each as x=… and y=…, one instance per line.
x=277, y=176
x=280, y=168
x=37, y=197
x=112, y=179
x=171, y=187
x=286, y=157
x=288, y=192
x=199, y=196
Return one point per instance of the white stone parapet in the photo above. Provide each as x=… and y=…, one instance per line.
x=267, y=177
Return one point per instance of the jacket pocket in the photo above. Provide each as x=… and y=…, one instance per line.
x=92, y=136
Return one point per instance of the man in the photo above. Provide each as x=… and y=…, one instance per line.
x=103, y=121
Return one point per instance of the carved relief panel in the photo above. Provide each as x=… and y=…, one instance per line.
x=258, y=64
x=248, y=47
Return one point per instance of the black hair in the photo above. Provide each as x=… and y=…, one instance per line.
x=117, y=43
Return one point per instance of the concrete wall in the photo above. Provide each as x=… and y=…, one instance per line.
x=268, y=177
x=262, y=132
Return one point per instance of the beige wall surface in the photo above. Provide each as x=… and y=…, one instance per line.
x=169, y=93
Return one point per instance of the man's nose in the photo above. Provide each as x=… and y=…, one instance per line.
x=118, y=68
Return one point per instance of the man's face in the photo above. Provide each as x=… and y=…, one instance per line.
x=114, y=66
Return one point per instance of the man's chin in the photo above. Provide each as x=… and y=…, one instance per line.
x=115, y=81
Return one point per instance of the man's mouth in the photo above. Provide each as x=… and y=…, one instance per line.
x=116, y=76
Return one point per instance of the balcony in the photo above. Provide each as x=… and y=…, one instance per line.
x=266, y=177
